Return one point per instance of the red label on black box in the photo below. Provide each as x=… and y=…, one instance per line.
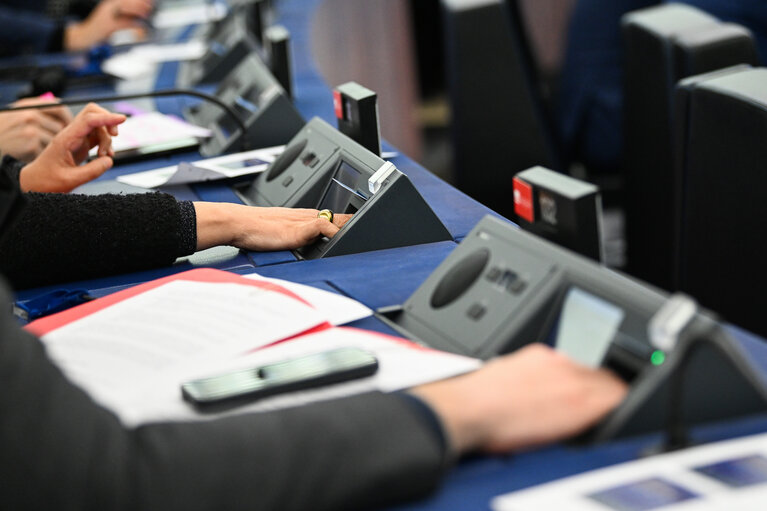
x=523, y=200
x=338, y=104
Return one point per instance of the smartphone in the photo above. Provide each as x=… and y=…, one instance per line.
x=310, y=371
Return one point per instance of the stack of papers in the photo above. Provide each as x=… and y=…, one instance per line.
x=131, y=351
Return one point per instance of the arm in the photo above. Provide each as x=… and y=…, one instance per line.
x=106, y=18
x=62, y=451
x=61, y=238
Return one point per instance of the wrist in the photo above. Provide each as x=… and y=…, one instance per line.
x=74, y=36
x=216, y=224
x=456, y=410
x=26, y=182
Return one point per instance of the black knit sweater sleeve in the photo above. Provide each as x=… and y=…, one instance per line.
x=61, y=238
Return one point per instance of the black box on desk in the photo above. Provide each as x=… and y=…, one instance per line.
x=561, y=209
x=357, y=113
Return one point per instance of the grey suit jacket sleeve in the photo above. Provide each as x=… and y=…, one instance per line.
x=59, y=450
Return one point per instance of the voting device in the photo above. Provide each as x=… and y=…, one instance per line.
x=227, y=46
x=503, y=288
x=324, y=169
x=260, y=102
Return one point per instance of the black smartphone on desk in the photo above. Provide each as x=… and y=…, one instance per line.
x=310, y=371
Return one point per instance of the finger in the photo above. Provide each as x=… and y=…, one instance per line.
x=60, y=113
x=105, y=142
x=84, y=124
x=326, y=228
x=50, y=124
x=91, y=170
x=341, y=219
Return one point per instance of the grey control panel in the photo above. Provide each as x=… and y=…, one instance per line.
x=324, y=169
x=503, y=288
x=258, y=100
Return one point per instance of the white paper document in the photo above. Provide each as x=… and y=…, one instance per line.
x=122, y=350
x=338, y=309
x=182, y=15
x=133, y=356
x=152, y=130
x=220, y=167
x=730, y=475
x=400, y=365
x=142, y=60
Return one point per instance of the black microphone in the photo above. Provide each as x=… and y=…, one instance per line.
x=152, y=94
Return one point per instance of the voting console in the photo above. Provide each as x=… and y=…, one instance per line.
x=503, y=288
x=227, y=46
x=261, y=103
x=324, y=169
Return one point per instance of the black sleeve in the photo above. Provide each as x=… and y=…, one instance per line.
x=62, y=451
x=61, y=238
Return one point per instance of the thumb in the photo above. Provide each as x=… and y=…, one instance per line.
x=92, y=170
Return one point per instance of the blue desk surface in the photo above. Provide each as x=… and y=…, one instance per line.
x=389, y=277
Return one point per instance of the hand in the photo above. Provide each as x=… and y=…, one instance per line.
x=260, y=229
x=58, y=168
x=107, y=17
x=25, y=134
x=531, y=397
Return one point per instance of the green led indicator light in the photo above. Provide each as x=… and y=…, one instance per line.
x=657, y=357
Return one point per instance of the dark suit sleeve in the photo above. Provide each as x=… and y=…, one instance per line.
x=62, y=451
x=28, y=32
x=63, y=238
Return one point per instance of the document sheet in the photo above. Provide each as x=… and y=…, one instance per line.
x=338, y=309
x=132, y=356
x=729, y=475
x=220, y=167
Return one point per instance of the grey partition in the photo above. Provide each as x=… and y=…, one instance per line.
x=663, y=45
x=498, y=124
x=722, y=218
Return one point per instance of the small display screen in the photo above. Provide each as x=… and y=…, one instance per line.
x=643, y=495
x=586, y=327
x=243, y=108
x=342, y=190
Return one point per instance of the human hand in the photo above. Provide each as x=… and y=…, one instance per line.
x=24, y=134
x=260, y=229
x=531, y=397
x=58, y=168
x=107, y=17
